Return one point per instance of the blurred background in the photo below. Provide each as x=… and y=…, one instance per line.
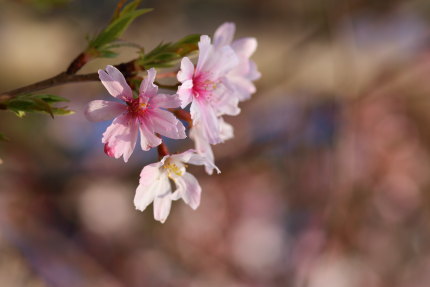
x=326, y=183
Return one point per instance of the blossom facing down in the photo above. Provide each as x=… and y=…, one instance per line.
x=207, y=88
x=143, y=114
x=242, y=76
x=203, y=146
x=154, y=185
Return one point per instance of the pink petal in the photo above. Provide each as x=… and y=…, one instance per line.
x=244, y=88
x=187, y=70
x=148, y=139
x=147, y=87
x=165, y=101
x=202, y=111
x=115, y=83
x=162, y=205
x=202, y=146
x=166, y=124
x=224, y=61
x=205, y=52
x=189, y=189
x=120, y=137
x=151, y=183
x=225, y=103
x=185, y=92
x=103, y=110
x=224, y=34
x=245, y=47
x=253, y=73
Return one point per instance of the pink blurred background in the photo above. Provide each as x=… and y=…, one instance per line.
x=326, y=183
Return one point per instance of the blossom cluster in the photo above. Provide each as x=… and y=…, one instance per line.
x=212, y=88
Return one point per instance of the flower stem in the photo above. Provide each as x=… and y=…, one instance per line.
x=183, y=115
x=162, y=150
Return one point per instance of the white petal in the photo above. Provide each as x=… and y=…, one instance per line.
x=151, y=182
x=226, y=130
x=100, y=110
x=203, y=147
x=162, y=205
x=189, y=189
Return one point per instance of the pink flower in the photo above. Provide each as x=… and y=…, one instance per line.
x=206, y=87
x=154, y=185
x=203, y=146
x=240, y=78
x=143, y=114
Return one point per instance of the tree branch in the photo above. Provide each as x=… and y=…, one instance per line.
x=128, y=69
x=59, y=79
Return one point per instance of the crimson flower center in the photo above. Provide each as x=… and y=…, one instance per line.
x=136, y=107
x=203, y=87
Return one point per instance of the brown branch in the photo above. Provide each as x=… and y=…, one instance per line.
x=59, y=79
x=128, y=69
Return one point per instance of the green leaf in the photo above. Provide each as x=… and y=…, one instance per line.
x=167, y=54
x=50, y=98
x=62, y=111
x=129, y=7
x=190, y=39
x=107, y=54
x=116, y=28
x=22, y=104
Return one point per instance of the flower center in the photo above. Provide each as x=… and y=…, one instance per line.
x=173, y=168
x=136, y=108
x=203, y=88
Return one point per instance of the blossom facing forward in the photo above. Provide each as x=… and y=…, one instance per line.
x=154, y=185
x=207, y=88
x=143, y=114
x=241, y=77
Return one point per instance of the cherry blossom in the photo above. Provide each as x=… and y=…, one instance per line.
x=144, y=113
x=241, y=77
x=207, y=88
x=154, y=185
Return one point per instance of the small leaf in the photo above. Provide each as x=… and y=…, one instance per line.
x=167, y=54
x=43, y=106
x=130, y=7
x=50, y=98
x=22, y=104
x=190, y=39
x=116, y=28
x=62, y=111
x=107, y=54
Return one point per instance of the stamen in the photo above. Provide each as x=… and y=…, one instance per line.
x=173, y=169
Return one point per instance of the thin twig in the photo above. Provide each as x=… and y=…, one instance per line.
x=129, y=69
x=59, y=79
